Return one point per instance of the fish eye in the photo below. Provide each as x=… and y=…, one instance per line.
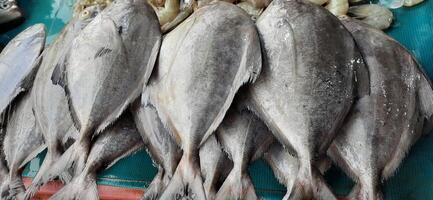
x=85, y=14
x=4, y=5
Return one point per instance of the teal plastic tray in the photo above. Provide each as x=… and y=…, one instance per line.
x=413, y=27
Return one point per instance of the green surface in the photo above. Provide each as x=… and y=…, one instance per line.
x=414, y=180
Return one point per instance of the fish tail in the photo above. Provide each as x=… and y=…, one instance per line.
x=13, y=188
x=81, y=187
x=186, y=182
x=50, y=159
x=238, y=185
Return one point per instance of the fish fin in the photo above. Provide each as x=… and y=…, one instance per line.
x=13, y=189
x=131, y=151
x=58, y=76
x=27, y=83
x=79, y=188
x=185, y=13
x=33, y=155
x=237, y=186
x=155, y=187
x=249, y=70
x=362, y=76
x=50, y=159
x=186, y=182
x=425, y=98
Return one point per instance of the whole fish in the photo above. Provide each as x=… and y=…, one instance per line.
x=17, y=71
x=388, y=119
x=115, y=143
x=215, y=166
x=23, y=141
x=158, y=142
x=217, y=51
x=9, y=12
x=50, y=102
x=105, y=70
x=306, y=87
x=237, y=135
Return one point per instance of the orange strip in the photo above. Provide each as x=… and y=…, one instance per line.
x=105, y=192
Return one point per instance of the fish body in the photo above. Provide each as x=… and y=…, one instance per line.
x=50, y=101
x=158, y=142
x=23, y=141
x=116, y=142
x=17, y=71
x=215, y=166
x=9, y=12
x=385, y=122
x=304, y=94
x=217, y=50
x=237, y=135
x=104, y=71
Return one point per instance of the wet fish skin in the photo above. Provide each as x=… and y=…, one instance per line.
x=123, y=32
x=237, y=134
x=23, y=142
x=303, y=95
x=50, y=102
x=161, y=147
x=17, y=71
x=192, y=89
x=215, y=166
x=115, y=143
x=9, y=12
x=389, y=119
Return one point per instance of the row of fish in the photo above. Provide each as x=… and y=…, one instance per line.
x=299, y=87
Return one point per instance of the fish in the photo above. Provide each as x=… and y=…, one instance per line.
x=50, y=102
x=9, y=12
x=387, y=119
x=105, y=70
x=193, y=88
x=237, y=135
x=23, y=141
x=116, y=142
x=17, y=71
x=372, y=14
x=215, y=166
x=303, y=94
x=163, y=150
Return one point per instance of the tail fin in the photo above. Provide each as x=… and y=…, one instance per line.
x=238, y=185
x=13, y=188
x=38, y=181
x=186, y=182
x=82, y=187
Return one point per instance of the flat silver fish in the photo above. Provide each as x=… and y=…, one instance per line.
x=303, y=94
x=110, y=60
x=215, y=166
x=115, y=143
x=237, y=135
x=387, y=120
x=23, y=141
x=50, y=102
x=217, y=50
x=17, y=71
x=161, y=147
x=9, y=12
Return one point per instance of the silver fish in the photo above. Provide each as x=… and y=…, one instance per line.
x=217, y=51
x=23, y=141
x=50, y=102
x=9, y=12
x=162, y=149
x=388, y=119
x=106, y=68
x=115, y=143
x=303, y=94
x=215, y=166
x=17, y=71
x=237, y=135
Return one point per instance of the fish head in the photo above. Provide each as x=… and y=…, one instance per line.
x=9, y=11
x=89, y=13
